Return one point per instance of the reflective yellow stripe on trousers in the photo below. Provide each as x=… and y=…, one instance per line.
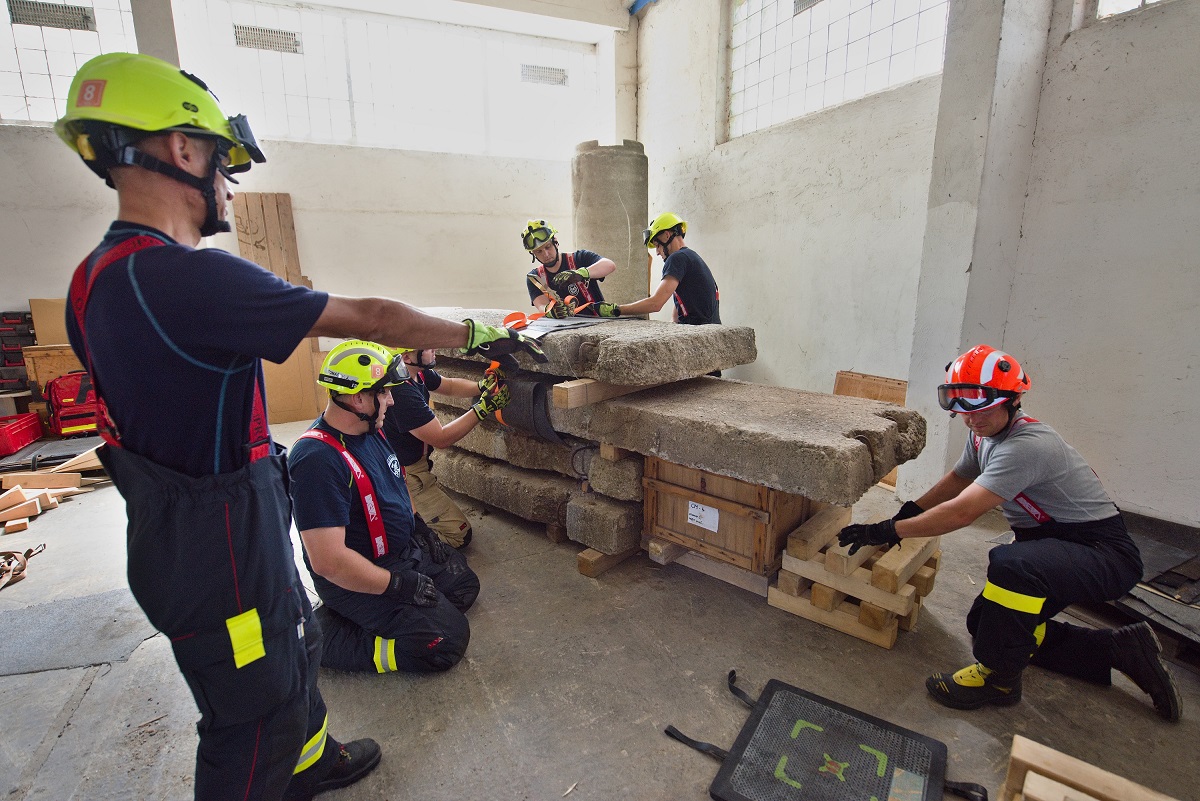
x=385, y=655
x=1013, y=600
x=314, y=748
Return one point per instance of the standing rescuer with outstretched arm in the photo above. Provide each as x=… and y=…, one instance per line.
x=1071, y=547
x=173, y=339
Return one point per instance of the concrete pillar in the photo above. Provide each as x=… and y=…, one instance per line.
x=154, y=28
x=991, y=87
x=610, y=200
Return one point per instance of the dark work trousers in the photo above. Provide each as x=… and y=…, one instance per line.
x=210, y=563
x=381, y=633
x=1033, y=579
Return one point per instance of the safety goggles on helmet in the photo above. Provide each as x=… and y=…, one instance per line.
x=364, y=365
x=967, y=398
x=534, y=238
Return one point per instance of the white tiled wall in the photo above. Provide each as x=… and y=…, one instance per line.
x=37, y=64
x=785, y=65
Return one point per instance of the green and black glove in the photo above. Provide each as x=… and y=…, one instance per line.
x=909, y=509
x=488, y=403
x=558, y=310
x=494, y=342
x=413, y=588
x=861, y=534
x=608, y=310
x=564, y=278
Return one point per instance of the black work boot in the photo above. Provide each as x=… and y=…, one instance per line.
x=1136, y=652
x=355, y=760
x=972, y=687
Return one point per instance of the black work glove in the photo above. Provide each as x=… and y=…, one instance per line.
x=493, y=342
x=909, y=509
x=413, y=588
x=429, y=541
x=860, y=534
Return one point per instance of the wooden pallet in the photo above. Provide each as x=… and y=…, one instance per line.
x=1039, y=773
x=871, y=595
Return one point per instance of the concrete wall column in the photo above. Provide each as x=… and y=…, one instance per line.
x=610, y=211
x=154, y=27
x=991, y=81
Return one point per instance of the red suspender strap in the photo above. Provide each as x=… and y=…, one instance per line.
x=258, y=438
x=1023, y=500
x=81, y=290
x=366, y=491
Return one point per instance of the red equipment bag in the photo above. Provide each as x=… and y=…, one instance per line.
x=72, y=404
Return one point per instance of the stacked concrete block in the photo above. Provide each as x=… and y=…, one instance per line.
x=532, y=494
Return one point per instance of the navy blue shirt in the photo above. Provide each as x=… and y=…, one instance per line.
x=696, y=296
x=176, y=335
x=410, y=409
x=582, y=258
x=324, y=495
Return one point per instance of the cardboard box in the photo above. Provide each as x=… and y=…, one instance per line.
x=49, y=320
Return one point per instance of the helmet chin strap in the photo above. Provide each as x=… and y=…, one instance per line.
x=557, y=253
x=130, y=155
x=371, y=420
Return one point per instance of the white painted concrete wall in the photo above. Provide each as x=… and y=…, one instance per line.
x=1104, y=307
x=431, y=229
x=812, y=228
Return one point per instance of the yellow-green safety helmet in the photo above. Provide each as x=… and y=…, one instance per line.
x=662, y=222
x=357, y=365
x=536, y=234
x=142, y=93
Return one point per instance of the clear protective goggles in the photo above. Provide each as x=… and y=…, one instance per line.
x=534, y=238
x=967, y=398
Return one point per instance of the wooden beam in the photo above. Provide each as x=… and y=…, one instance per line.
x=612, y=453
x=586, y=391
x=12, y=497
x=13, y=526
x=30, y=508
x=818, y=531
x=893, y=570
x=844, y=618
x=88, y=460
x=40, y=480
x=792, y=584
x=662, y=552
x=1028, y=755
x=857, y=584
x=875, y=617
x=826, y=598
x=592, y=563
x=1039, y=788
x=556, y=533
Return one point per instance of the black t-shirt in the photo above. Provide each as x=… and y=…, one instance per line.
x=324, y=495
x=696, y=296
x=176, y=335
x=581, y=258
x=410, y=410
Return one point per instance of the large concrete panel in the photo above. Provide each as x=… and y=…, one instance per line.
x=604, y=524
x=531, y=494
x=631, y=352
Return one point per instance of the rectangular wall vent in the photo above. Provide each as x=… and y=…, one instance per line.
x=551, y=76
x=267, y=39
x=51, y=15
x=804, y=5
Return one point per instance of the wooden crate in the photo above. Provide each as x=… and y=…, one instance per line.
x=872, y=387
x=1039, y=773
x=45, y=362
x=731, y=521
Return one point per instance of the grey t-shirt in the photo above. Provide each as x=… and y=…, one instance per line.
x=1032, y=460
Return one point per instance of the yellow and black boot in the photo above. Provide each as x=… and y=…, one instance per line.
x=972, y=687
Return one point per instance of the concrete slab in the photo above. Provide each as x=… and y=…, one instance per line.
x=604, y=524
x=632, y=352
x=530, y=494
x=572, y=459
x=826, y=447
x=621, y=479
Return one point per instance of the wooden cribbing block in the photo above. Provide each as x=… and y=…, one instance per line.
x=818, y=531
x=844, y=618
x=875, y=617
x=792, y=584
x=662, y=552
x=30, y=508
x=592, y=563
x=12, y=497
x=68, y=492
x=88, y=460
x=923, y=580
x=893, y=570
x=857, y=584
x=40, y=480
x=47, y=501
x=1028, y=756
x=556, y=533
x=909, y=622
x=13, y=526
x=586, y=391
x=826, y=598
x=838, y=559
x=612, y=453
x=1039, y=788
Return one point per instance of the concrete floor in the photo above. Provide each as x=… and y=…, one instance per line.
x=567, y=685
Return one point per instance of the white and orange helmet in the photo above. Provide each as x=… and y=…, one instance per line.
x=981, y=378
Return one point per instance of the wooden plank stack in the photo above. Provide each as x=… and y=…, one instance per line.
x=1039, y=773
x=871, y=595
x=29, y=494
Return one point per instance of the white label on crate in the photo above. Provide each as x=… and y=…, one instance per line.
x=703, y=516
